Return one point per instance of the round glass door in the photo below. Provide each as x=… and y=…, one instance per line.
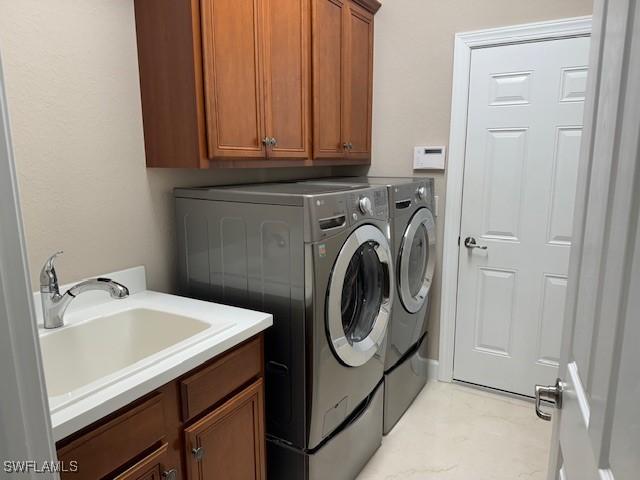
x=360, y=297
x=417, y=261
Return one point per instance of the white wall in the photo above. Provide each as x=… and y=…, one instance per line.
x=413, y=67
x=71, y=70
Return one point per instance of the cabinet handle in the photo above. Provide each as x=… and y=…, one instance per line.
x=266, y=141
x=198, y=453
x=273, y=142
x=345, y=146
x=350, y=146
x=170, y=474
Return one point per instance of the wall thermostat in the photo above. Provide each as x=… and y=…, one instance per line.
x=431, y=158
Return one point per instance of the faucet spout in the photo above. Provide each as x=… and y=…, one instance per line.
x=115, y=289
x=54, y=305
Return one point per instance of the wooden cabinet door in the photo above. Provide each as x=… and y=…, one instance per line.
x=359, y=81
x=229, y=443
x=328, y=40
x=232, y=74
x=287, y=82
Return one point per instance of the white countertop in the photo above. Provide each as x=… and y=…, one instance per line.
x=83, y=406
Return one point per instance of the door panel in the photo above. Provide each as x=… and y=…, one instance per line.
x=232, y=71
x=505, y=158
x=329, y=29
x=230, y=440
x=286, y=27
x=523, y=138
x=565, y=172
x=359, y=61
x=550, y=333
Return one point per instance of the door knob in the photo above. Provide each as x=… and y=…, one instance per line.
x=470, y=242
x=551, y=394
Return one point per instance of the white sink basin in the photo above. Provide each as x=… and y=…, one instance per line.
x=86, y=352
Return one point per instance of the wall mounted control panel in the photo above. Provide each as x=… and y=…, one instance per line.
x=429, y=158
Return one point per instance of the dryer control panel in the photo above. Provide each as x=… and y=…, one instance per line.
x=406, y=198
x=369, y=203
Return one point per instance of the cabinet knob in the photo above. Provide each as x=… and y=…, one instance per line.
x=266, y=141
x=170, y=474
x=198, y=453
x=273, y=142
x=345, y=146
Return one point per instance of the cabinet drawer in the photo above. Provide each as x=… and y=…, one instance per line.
x=151, y=467
x=208, y=386
x=113, y=444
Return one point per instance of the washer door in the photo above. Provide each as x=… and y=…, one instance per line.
x=360, y=296
x=417, y=260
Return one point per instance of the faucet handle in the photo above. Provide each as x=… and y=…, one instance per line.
x=48, y=277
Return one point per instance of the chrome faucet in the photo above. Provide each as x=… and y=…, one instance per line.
x=54, y=305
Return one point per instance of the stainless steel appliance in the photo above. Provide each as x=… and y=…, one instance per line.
x=413, y=242
x=318, y=258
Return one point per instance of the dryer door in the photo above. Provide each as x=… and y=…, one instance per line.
x=417, y=260
x=360, y=296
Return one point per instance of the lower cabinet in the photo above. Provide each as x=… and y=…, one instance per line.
x=207, y=424
x=229, y=442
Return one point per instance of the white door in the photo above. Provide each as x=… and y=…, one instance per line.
x=597, y=430
x=524, y=130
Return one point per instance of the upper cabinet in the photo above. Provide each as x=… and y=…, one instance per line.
x=359, y=81
x=256, y=78
x=233, y=78
x=342, y=79
x=228, y=83
x=287, y=79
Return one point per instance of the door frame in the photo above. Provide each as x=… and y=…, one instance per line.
x=26, y=433
x=464, y=44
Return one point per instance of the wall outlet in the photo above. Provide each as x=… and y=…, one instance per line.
x=431, y=158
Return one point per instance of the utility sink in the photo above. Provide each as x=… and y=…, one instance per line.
x=111, y=352
x=83, y=353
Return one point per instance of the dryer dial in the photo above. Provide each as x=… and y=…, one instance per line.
x=421, y=193
x=364, y=203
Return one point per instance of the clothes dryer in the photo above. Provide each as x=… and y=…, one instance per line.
x=413, y=241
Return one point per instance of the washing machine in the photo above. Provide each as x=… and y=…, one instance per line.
x=319, y=259
x=413, y=240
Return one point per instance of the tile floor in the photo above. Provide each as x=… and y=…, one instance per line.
x=452, y=432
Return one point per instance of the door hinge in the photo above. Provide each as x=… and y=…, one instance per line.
x=458, y=240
